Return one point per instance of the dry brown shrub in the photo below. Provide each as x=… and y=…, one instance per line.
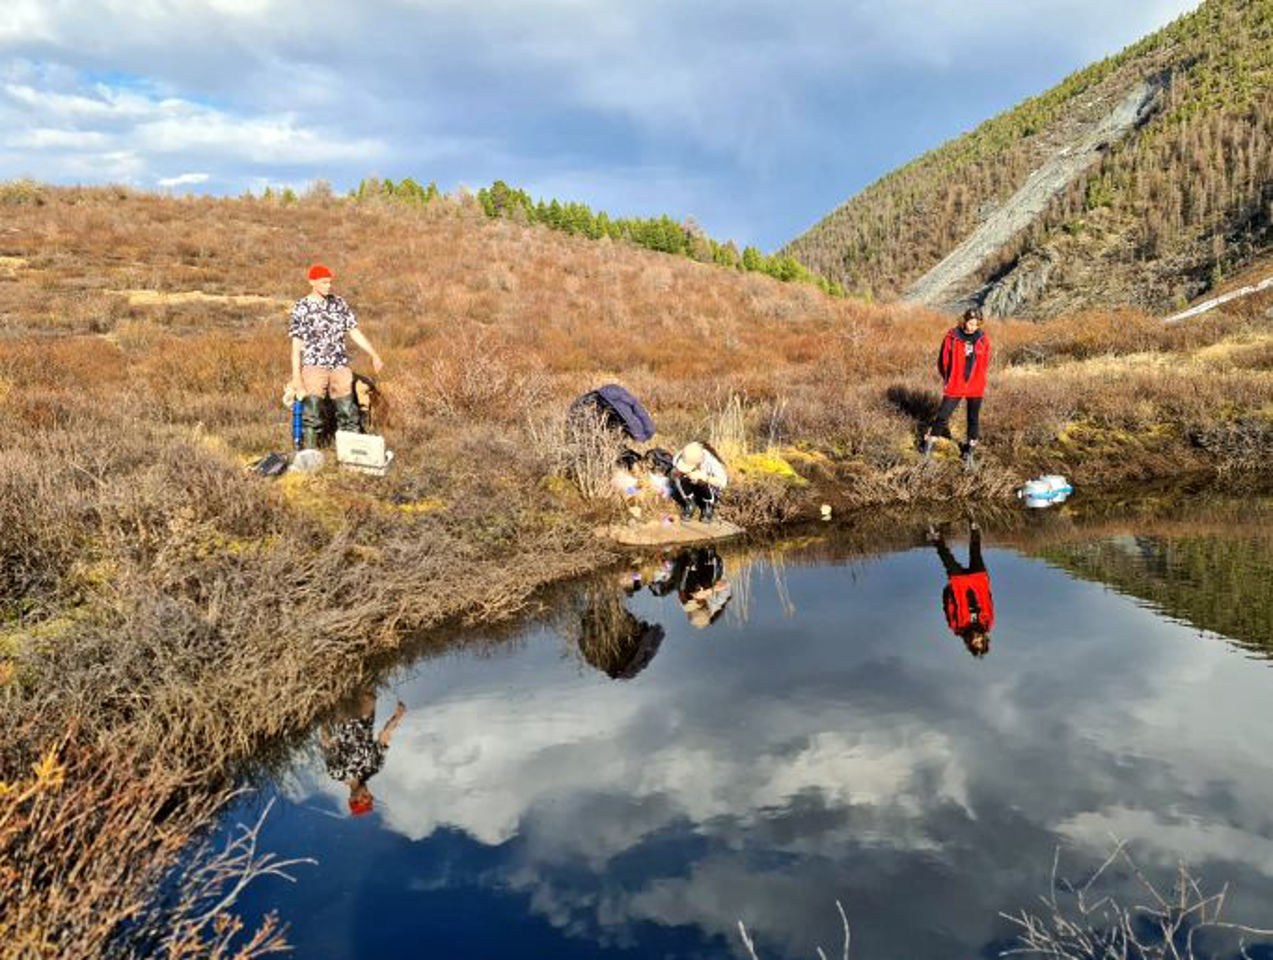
x=760, y=501
x=859, y=423
x=1029, y=412
x=22, y=192
x=480, y=377
x=1095, y=919
x=579, y=447
x=1238, y=445
x=87, y=839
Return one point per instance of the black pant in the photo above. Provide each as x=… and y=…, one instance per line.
x=687, y=493
x=941, y=425
x=975, y=563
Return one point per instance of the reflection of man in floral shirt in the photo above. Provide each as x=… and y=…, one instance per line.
x=353, y=753
x=320, y=365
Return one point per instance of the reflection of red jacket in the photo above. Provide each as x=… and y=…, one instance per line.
x=967, y=602
x=952, y=363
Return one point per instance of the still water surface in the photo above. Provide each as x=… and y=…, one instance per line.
x=682, y=746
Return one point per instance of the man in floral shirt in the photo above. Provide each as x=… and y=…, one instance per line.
x=320, y=365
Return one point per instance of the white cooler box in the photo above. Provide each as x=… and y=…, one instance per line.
x=363, y=451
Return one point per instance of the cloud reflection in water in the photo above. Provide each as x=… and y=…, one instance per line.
x=764, y=768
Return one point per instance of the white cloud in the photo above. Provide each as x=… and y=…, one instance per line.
x=52, y=105
x=1168, y=840
x=261, y=140
x=100, y=130
x=44, y=138
x=183, y=179
x=751, y=96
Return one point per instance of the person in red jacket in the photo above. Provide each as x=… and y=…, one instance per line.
x=963, y=361
x=966, y=601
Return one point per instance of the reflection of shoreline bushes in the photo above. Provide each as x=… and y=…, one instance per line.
x=1180, y=578
x=186, y=611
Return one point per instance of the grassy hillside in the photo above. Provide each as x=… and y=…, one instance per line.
x=164, y=612
x=1171, y=210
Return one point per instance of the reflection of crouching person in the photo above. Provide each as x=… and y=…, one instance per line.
x=702, y=587
x=697, y=479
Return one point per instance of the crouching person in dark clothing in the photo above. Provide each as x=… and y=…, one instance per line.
x=966, y=601
x=698, y=477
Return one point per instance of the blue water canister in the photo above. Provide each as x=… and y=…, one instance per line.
x=296, y=424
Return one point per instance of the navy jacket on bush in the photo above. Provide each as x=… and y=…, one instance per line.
x=625, y=409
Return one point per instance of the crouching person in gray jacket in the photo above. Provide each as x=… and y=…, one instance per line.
x=697, y=480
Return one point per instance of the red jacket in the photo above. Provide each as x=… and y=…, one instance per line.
x=969, y=594
x=952, y=364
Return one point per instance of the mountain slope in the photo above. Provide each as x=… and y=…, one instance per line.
x=1152, y=215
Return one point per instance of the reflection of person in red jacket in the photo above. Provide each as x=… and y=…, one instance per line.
x=966, y=601
x=963, y=361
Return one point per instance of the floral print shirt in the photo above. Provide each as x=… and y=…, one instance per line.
x=353, y=752
x=320, y=325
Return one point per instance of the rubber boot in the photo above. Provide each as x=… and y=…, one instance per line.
x=970, y=460
x=348, y=416
x=924, y=440
x=311, y=422
x=682, y=499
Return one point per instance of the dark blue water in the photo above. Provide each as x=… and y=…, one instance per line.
x=826, y=737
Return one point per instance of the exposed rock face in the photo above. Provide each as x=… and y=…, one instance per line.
x=942, y=285
x=1024, y=284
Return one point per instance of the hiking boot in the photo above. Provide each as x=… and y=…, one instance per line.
x=687, y=512
x=311, y=422
x=348, y=416
x=967, y=452
x=926, y=446
x=708, y=511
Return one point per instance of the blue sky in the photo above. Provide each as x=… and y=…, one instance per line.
x=756, y=119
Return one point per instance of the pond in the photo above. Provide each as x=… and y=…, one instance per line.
x=754, y=733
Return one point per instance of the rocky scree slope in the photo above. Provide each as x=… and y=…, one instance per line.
x=1144, y=179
